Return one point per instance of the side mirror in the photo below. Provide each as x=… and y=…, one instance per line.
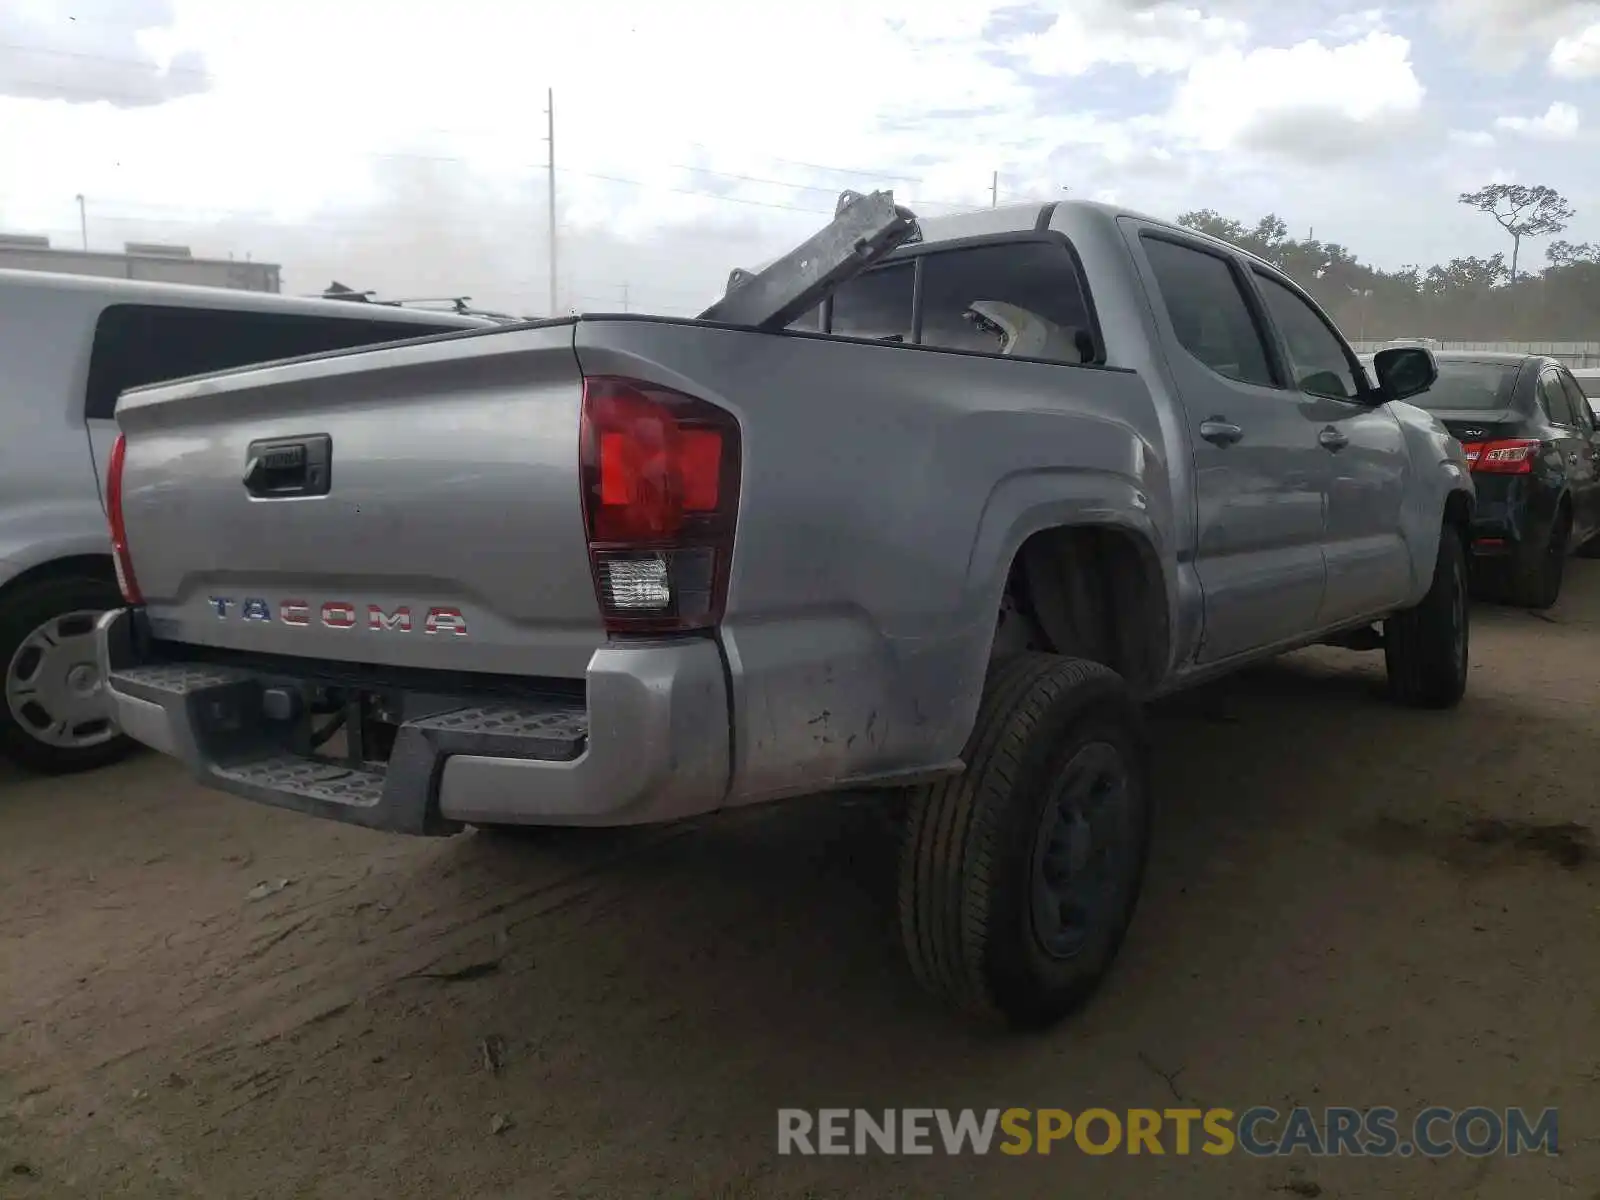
x=1404, y=371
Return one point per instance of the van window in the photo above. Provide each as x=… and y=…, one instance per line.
x=138, y=344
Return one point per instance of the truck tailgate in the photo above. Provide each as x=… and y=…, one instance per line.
x=381, y=507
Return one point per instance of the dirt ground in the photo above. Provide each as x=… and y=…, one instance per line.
x=1344, y=906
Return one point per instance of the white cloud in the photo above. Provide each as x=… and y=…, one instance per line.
x=1503, y=32
x=95, y=51
x=1577, y=56
x=1558, y=123
x=401, y=146
x=314, y=107
x=1473, y=139
x=1299, y=100
x=1346, y=26
x=1159, y=38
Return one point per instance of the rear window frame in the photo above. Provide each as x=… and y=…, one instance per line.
x=1511, y=392
x=918, y=254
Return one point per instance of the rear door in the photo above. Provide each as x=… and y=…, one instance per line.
x=1584, y=471
x=1368, y=561
x=138, y=344
x=1259, y=472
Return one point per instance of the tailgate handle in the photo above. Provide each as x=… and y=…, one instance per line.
x=278, y=468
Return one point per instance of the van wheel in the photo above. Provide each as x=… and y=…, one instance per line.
x=1019, y=877
x=54, y=717
x=1426, y=648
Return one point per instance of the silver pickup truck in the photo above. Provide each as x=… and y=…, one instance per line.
x=923, y=506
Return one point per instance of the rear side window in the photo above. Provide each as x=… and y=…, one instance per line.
x=138, y=344
x=1583, y=415
x=1321, y=366
x=1209, y=314
x=876, y=305
x=1020, y=299
x=809, y=321
x=1553, y=399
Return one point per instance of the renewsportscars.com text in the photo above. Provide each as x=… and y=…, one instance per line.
x=1259, y=1131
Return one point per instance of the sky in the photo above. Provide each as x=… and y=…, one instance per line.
x=401, y=146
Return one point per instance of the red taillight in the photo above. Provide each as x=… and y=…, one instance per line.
x=1512, y=456
x=660, y=477
x=119, y=527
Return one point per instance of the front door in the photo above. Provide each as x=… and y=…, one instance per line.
x=1259, y=472
x=1369, y=563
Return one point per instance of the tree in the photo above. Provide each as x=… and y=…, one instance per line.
x=1266, y=240
x=1566, y=254
x=1522, y=211
x=1466, y=275
x=1466, y=299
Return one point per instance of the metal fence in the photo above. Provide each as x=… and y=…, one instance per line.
x=1574, y=354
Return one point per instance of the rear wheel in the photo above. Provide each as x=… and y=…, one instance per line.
x=54, y=715
x=1426, y=648
x=1019, y=877
x=1538, y=578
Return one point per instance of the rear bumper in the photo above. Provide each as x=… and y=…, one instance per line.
x=1512, y=511
x=650, y=742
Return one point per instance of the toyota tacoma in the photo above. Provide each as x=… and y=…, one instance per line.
x=926, y=506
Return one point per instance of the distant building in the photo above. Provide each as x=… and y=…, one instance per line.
x=139, y=260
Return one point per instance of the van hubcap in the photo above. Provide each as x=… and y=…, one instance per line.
x=53, y=686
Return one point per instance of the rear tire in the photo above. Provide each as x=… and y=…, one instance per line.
x=1019, y=877
x=1426, y=648
x=48, y=679
x=1536, y=582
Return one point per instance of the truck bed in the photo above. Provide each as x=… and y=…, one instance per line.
x=878, y=500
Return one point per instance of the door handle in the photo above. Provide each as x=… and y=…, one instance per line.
x=279, y=468
x=1220, y=432
x=1332, y=439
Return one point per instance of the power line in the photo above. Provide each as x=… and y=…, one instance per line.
x=85, y=56
x=100, y=93
x=721, y=197
x=203, y=74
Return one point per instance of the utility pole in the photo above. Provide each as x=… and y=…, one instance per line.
x=550, y=137
x=625, y=298
x=83, y=220
x=994, y=190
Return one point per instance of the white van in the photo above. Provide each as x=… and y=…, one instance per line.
x=69, y=345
